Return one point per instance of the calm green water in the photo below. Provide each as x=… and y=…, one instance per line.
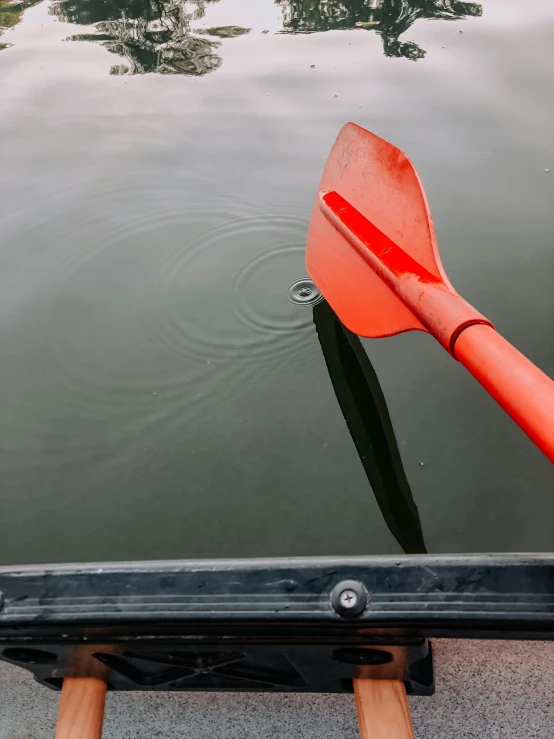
x=160, y=396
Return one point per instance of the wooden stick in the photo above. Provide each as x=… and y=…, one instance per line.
x=383, y=711
x=81, y=708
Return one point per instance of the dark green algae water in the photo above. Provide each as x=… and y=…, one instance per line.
x=160, y=396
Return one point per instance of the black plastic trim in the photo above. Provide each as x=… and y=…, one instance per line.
x=467, y=594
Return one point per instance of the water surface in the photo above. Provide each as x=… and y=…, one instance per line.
x=160, y=395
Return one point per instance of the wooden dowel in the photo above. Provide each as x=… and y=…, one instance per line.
x=81, y=708
x=383, y=711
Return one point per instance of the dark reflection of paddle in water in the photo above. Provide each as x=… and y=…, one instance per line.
x=364, y=408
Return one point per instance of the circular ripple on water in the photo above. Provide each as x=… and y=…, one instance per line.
x=83, y=335
x=224, y=293
x=133, y=313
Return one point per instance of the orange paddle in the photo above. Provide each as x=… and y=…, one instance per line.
x=373, y=254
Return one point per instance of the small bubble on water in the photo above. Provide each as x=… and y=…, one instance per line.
x=547, y=170
x=304, y=292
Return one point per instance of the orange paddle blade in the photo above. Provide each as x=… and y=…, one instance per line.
x=373, y=254
x=380, y=182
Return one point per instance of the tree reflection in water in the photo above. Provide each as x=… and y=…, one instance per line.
x=152, y=35
x=10, y=15
x=389, y=18
x=159, y=35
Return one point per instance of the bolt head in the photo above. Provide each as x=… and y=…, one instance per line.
x=348, y=599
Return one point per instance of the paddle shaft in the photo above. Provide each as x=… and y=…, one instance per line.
x=521, y=388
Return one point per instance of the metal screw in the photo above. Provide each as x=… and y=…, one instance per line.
x=348, y=599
